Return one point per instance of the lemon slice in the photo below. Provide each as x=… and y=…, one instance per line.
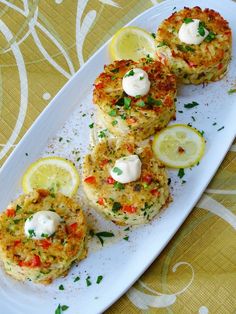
x=52, y=173
x=132, y=43
x=179, y=146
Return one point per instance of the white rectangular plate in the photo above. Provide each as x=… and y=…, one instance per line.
x=120, y=262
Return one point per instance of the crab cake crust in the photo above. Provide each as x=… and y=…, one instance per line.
x=131, y=203
x=135, y=117
x=195, y=64
x=41, y=260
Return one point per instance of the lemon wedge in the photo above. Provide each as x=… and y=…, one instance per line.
x=52, y=173
x=179, y=146
x=132, y=43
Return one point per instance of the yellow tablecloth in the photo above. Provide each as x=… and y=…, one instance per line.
x=42, y=44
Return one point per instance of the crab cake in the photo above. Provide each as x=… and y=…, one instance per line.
x=203, y=59
x=137, y=116
x=47, y=257
x=131, y=203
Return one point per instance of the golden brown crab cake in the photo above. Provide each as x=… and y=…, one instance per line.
x=131, y=203
x=196, y=63
x=135, y=117
x=44, y=259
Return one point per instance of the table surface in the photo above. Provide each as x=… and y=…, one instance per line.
x=48, y=52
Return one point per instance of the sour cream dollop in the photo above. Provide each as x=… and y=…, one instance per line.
x=126, y=169
x=136, y=83
x=189, y=34
x=42, y=224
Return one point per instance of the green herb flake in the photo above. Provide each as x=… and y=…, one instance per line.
x=102, y=134
x=112, y=113
x=117, y=170
x=201, y=133
x=231, y=91
x=130, y=73
x=127, y=102
x=61, y=308
x=180, y=111
x=127, y=229
x=31, y=233
x=44, y=235
x=114, y=122
x=116, y=206
x=91, y=125
x=18, y=207
x=103, y=234
x=187, y=20
x=161, y=44
x=210, y=37
x=60, y=139
x=99, y=279
x=140, y=103
x=153, y=102
x=119, y=186
x=149, y=58
x=181, y=173
x=220, y=128
x=126, y=238
x=185, y=48
x=193, y=118
x=153, y=35
x=115, y=70
x=61, y=287
x=214, y=123
x=123, y=116
x=191, y=105
x=64, y=307
x=201, y=29
x=88, y=282
x=76, y=279
x=141, y=78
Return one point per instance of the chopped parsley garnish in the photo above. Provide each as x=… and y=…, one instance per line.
x=18, y=207
x=214, y=123
x=117, y=170
x=102, y=134
x=44, y=235
x=99, y=279
x=185, y=48
x=61, y=287
x=193, y=118
x=104, y=234
x=191, y=105
x=210, y=37
x=114, y=122
x=180, y=111
x=119, y=186
x=126, y=238
x=153, y=35
x=115, y=70
x=77, y=279
x=140, y=103
x=61, y=308
x=123, y=116
x=141, y=78
x=112, y=113
x=91, y=125
x=149, y=58
x=201, y=133
x=161, y=44
x=31, y=233
x=127, y=229
x=116, y=206
x=127, y=102
x=181, y=173
x=88, y=282
x=188, y=20
x=221, y=128
x=231, y=91
x=201, y=29
x=60, y=139
x=130, y=73
x=153, y=102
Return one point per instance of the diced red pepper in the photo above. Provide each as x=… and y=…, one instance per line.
x=43, y=192
x=90, y=180
x=45, y=243
x=130, y=147
x=103, y=163
x=16, y=242
x=101, y=201
x=155, y=192
x=99, y=85
x=10, y=212
x=110, y=180
x=129, y=209
x=34, y=262
x=147, y=178
x=73, y=227
x=220, y=66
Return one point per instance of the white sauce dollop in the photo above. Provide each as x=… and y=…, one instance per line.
x=126, y=169
x=188, y=33
x=136, y=83
x=42, y=224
